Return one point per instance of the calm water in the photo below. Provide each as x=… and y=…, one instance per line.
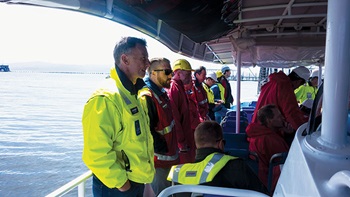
x=40, y=131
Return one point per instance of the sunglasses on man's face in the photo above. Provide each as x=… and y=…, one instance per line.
x=166, y=71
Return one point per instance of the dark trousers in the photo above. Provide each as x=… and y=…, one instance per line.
x=100, y=190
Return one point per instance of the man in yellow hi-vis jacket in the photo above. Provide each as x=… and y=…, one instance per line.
x=118, y=145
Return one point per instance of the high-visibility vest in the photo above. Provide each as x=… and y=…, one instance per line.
x=201, y=172
x=210, y=93
x=222, y=91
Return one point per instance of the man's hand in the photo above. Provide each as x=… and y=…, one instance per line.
x=287, y=128
x=125, y=187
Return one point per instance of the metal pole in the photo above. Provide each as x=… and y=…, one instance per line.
x=81, y=189
x=238, y=93
x=319, y=74
x=337, y=71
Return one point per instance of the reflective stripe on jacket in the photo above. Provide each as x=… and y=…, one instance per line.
x=201, y=172
x=118, y=145
x=165, y=127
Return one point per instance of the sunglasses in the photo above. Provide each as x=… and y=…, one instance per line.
x=166, y=71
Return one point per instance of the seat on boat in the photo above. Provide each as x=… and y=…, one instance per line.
x=228, y=123
x=253, y=104
x=238, y=146
x=276, y=159
x=250, y=112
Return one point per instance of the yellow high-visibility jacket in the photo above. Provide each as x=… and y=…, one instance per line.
x=305, y=92
x=222, y=91
x=118, y=145
x=201, y=172
x=210, y=93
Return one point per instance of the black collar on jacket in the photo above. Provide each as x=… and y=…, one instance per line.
x=133, y=89
x=202, y=153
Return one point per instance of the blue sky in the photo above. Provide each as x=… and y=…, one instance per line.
x=58, y=36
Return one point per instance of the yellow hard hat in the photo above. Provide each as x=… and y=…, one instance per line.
x=218, y=73
x=182, y=64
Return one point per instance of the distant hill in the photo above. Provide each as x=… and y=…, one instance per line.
x=50, y=67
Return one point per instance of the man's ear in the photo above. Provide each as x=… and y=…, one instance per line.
x=125, y=59
x=268, y=122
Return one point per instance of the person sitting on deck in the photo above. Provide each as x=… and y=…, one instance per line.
x=265, y=140
x=219, y=169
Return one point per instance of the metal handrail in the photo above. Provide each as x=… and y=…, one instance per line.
x=80, y=183
x=77, y=182
x=210, y=190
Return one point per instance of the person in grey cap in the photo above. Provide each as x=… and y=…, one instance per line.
x=226, y=73
x=279, y=90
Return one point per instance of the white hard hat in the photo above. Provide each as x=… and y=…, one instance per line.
x=314, y=74
x=212, y=75
x=302, y=72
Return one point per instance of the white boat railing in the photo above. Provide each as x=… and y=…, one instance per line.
x=77, y=182
x=80, y=183
x=210, y=190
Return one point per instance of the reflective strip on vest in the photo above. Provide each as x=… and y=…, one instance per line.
x=209, y=166
x=127, y=101
x=205, y=172
x=166, y=157
x=176, y=173
x=167, y=129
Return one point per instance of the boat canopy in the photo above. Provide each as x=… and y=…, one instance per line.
x=268, y=33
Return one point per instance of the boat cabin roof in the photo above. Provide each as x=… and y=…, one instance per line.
x=268, y=33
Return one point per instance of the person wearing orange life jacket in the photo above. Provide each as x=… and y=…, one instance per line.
x=155, y=99
x=118, y=145
x=212, y=166
x=180, y=105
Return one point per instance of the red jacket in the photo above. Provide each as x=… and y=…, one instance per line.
x=193, y=107
x=162, y=126
x=279, y=91
x=181, y=113
x=200, y=96
x=265, y=143
x=195, y=120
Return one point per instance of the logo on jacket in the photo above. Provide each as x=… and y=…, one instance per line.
x=191, y=173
